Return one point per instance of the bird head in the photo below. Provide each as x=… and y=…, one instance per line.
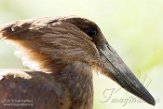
x=56, y=42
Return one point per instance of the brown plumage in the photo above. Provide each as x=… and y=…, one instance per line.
x=66, y=50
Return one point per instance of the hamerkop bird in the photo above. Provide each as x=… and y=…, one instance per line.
x=65, y=50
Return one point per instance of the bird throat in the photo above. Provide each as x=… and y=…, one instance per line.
x=77, y=78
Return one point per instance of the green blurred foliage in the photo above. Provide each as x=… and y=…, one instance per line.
x=133, y=27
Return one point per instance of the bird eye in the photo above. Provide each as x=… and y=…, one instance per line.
x=91, y=32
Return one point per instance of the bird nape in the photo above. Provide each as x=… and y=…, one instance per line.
x=65, y=49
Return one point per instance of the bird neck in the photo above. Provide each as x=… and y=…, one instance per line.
x=77, y=78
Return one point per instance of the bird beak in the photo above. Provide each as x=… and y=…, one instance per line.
x=115, y=68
